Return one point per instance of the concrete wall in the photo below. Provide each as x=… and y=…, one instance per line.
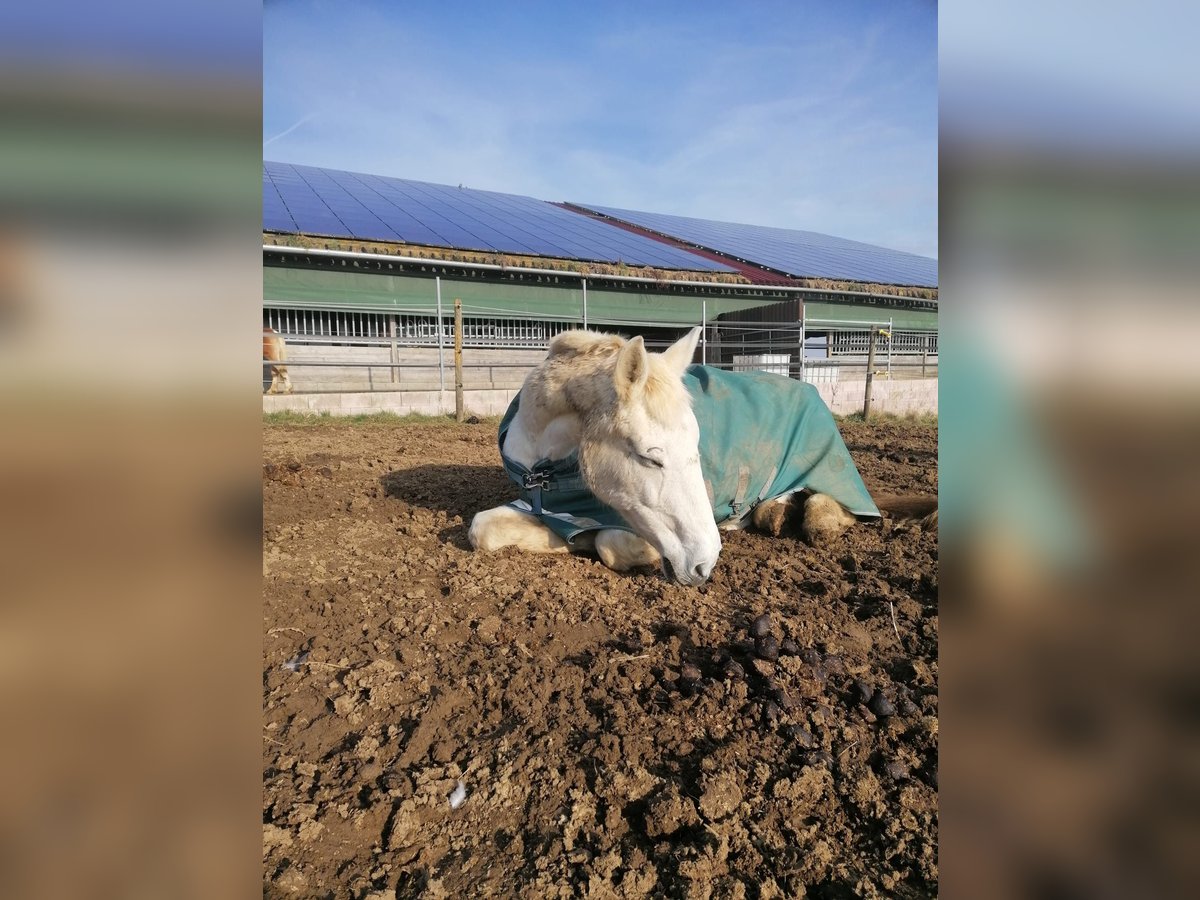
x=483, y=402
x=900, y=397
x=843, y=397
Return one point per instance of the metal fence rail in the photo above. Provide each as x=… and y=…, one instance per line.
x=331, y=351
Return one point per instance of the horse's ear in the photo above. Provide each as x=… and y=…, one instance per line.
x=680, y=354
x=633, y=368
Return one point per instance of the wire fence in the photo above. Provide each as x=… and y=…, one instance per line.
x=336, y=351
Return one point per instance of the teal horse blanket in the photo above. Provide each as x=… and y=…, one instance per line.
x=762, y=437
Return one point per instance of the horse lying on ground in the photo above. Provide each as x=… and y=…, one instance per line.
x=639, y=456
x=274, y=353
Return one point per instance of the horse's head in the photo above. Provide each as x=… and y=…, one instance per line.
x=641, y=456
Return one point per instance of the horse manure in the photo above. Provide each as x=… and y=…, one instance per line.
x=800, y=735
x=766, y=647
x=771, y=711
x=788, y=647
x=744, y=647
x=906, y=707
x=761, y=626
x=810, y=656
x=896, y=770
x=863, y=692
x=881, y=705
x=689, y=673
x=734, y=670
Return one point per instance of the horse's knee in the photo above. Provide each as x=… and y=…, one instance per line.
x=825, y=519
x=621, y=551
x=481, y=534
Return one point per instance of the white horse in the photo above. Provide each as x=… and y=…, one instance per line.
x=627, y=415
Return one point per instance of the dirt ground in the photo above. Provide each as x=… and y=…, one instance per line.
x=616, y=736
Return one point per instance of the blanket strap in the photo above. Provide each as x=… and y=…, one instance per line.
x=767, y=485
x=535, y=482
x=743, y=485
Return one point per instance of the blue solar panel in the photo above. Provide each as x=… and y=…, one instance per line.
x=802, y=254
x=309, y=200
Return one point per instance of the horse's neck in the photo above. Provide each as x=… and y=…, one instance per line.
x=547, y=436
x=548, y=425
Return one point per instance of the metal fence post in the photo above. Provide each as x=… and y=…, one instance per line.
x=870, y=371
x=441, y=341
x=583, y=281
x=459, y=413
x=395, y=349
x=802, y=342
x=704, y=331
x=891, y=337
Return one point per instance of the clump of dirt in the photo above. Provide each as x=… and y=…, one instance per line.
x=616, y=735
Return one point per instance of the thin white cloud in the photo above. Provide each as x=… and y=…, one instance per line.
x=290, y=129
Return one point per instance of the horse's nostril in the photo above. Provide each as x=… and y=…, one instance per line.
x=702, y=571
x=668, y=569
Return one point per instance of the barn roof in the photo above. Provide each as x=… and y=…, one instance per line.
x=338, y=204
x=785, y=251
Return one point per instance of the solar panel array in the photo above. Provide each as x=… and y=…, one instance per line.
x=801, y=254
x=329, y=202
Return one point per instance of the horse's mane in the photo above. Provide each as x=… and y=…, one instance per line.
x=582, y=356
x=579, y=342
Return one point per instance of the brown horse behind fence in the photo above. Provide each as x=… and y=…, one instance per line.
x=275, y=353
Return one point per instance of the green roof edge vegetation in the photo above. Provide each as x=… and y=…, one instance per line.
x=304, y=288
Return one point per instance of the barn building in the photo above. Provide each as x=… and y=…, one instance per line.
x=361, y=274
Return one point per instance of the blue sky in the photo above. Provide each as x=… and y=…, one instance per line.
x=819, y=116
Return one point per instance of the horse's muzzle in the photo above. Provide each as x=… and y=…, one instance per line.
x=696, y=577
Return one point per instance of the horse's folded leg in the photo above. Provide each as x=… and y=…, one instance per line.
x=772, y=516
x=622, y=551
x=824, y=519
x=494, y=529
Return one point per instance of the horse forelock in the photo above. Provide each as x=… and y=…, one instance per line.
x=577, y=376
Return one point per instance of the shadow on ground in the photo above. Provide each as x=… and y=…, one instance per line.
x=456, y=490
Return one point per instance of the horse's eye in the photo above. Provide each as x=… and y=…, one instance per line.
x=649, y=460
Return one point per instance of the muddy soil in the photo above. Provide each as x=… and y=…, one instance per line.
x=616, y=735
